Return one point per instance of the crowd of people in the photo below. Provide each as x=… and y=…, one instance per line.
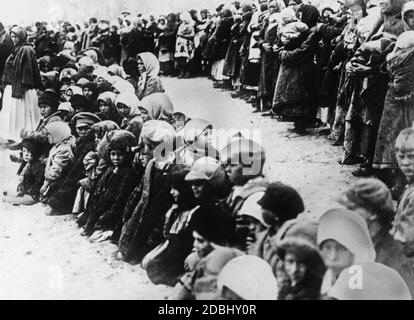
x=86, y=115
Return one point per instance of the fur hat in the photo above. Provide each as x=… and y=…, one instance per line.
x=80, y=102
x=282, y=200
x=49, y=98
x=213, y=224
x=34, y=145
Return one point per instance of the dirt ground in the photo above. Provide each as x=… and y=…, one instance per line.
x=43, y=257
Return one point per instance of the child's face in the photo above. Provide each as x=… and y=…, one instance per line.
x=335, y=256
x=201, y=246
x=45, y=110
x=175, y=194
x=146, y=154
x=405, y=158
x=27, y=155
x=117, y=157
x=235, y=173
x=103, y=107
x=295, y=269
x=199, y=188
x=409, y=19
x=83, y=130
x=88, y=93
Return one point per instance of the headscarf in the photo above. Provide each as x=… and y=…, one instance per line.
x=123, y=86
x=131, y=101
x=58, y=131
x=378, y=282
x=350, y=230
x=67, y=73
x=310, y=15
x=116, y=70
x=108, y=97
x=155, y=132
x=102, y=72
x=250, y=277
x=104, y=126
x=158, y=106
x=93, y=55
x=409, y=6
x=75, y=90
x=20, y=33
x=151, y=63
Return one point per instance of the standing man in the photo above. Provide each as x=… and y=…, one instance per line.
x=6, y=47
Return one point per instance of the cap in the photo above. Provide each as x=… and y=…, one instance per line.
x=85, y=119
x=203, y=169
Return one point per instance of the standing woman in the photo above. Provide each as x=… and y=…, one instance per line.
x=148, y=82
x=295, y=92
x=21, y=78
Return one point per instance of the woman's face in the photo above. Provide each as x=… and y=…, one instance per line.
x=103, y=107
x=124, y=110
x=335, y=256
x=141, y=66
x=295, y=269
x=14, y=38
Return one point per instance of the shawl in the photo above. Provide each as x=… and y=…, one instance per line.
x=158, y=106
x=22, y=71
x=409, y=6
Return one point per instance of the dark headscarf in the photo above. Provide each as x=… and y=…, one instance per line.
x=21, y=34
x=310, y=15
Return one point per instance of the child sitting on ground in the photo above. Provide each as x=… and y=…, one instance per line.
x=31, y=174
x=113, y=189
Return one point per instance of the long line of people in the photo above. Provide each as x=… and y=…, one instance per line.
x=103, y=142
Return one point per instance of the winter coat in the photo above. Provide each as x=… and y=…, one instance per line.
x=32, y=179
x=295, y=92
x=222, y=37
x=110, y=196
x=60, y=160
x=6, y=47
x=21, y=71
x=143, y=217
x=398, y=112
x=64, y=197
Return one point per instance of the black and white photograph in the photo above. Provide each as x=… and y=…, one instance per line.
x=213, y=150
